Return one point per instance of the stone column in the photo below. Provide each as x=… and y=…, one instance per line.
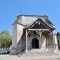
x=44, y=45
x=55, y=42
x=26, y=43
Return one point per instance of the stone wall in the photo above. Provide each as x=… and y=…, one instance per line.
x=58, y=39
x=42, y=41
x=17, y=40
x=50, y=42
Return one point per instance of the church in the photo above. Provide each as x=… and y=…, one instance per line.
x=33, y=32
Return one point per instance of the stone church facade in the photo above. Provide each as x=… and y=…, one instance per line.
x=33, y=32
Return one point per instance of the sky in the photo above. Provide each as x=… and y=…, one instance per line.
x=9, y=9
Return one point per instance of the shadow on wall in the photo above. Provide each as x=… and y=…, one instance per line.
x=21, y=45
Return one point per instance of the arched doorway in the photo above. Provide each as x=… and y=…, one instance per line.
x=35, y=43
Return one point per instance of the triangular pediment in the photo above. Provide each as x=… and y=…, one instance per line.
x=38, y=24
x=41, y=26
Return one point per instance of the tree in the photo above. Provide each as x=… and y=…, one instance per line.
x=58, y=34
x=5, y=39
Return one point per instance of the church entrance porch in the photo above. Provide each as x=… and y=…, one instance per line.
x=44, y=35
x=38, y=40
x=35, y=43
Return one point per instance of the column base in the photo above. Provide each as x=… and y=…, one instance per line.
x=26, y=51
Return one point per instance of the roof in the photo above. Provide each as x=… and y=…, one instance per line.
x=28, y=20
x=33, y=15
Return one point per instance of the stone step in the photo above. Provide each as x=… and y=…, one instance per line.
x=37, y=52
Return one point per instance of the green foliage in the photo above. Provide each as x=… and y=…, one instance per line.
x=5, y=39
x=58, y=34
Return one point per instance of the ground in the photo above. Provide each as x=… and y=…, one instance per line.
x=36, y=55
x=16, y=57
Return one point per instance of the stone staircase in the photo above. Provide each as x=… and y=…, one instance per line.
x=41, y=52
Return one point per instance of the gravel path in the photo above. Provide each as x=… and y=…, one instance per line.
x=16, y=57
x=32, y=56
